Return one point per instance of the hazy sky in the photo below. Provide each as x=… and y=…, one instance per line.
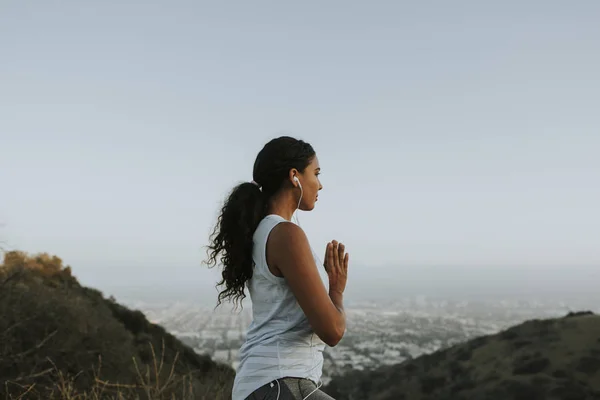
x=449, y=133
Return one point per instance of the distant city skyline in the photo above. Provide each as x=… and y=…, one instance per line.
x=378, y=334
x=461, y=135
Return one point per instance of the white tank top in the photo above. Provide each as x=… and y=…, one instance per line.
x=280, y=341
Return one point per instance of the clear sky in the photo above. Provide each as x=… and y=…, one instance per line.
x=449, y=133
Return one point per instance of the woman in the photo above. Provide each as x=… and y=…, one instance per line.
x=294, y=314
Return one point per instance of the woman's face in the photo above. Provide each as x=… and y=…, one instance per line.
x=309, y=179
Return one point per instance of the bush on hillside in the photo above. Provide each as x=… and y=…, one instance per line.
x=58, y=338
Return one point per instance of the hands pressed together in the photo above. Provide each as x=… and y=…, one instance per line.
x=336, y=265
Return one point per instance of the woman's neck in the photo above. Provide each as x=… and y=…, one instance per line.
x=283, y=204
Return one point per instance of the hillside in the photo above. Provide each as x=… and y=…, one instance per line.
x=537, y=360
x=58, y=339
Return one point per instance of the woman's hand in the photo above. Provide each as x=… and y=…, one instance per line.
x=336, y=265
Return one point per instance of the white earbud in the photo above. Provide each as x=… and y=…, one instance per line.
x=300, y=199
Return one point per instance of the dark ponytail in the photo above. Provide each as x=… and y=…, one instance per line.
x=231, y=242
x=232, y=238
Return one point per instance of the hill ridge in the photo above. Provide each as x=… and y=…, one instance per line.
x=54, y=331
x=554, y=358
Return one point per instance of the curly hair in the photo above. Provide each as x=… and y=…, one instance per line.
x=232, y=239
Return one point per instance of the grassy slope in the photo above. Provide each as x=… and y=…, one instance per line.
x=539, y=359
x=57, y=335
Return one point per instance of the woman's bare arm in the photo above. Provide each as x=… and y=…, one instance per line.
x=288, y=251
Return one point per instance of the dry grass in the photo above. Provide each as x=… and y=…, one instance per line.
x=153, y=383
x=61, y=340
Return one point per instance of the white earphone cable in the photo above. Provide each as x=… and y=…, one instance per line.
x=299, y=201
x=317, y=388
x=298, y=223
x=304, y=398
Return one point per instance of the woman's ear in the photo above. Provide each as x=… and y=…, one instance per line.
x=293, y=176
